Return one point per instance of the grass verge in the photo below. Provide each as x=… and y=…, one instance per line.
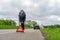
x=51, y=33
x=7, y=27
x=14, y=27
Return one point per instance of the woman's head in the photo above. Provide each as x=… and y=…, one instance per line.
x=22, y=11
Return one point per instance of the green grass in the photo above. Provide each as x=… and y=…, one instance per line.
x=28, y=27
x=7, y=27
x=51, y=33
x=13, y=27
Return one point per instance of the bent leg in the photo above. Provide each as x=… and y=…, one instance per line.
x=22, y=25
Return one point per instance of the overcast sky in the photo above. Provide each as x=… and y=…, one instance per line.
x=45, y=12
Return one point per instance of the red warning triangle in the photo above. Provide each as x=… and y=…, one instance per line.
x=19, y=29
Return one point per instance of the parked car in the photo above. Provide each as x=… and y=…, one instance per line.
x=36, y=27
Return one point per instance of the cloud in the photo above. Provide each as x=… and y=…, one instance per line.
x=26, y=3
x=4, y=1
x=54, y=18
x=43, y=11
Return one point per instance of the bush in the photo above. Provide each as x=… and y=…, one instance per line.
x=7, y=22
x=28, y=26
x=52, y=26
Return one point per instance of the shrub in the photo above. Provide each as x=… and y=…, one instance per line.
x=7, y=22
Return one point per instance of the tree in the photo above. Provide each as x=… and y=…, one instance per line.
x=32, y=23
x=7, y=22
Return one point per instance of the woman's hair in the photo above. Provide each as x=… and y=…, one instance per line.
x=22, y=11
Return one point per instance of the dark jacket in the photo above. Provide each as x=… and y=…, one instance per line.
x=22, y=16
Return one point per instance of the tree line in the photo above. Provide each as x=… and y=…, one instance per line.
x=7, y=22
x=52, y=26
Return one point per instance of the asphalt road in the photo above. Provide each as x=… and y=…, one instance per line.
x=29, y=34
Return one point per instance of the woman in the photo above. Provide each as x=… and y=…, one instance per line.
x=22, y=17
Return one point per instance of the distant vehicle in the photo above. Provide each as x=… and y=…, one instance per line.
x=36, y=27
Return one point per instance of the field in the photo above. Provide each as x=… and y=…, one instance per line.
x=7, y=27
x=11, y=24
x=13, y=27
x=51, y=33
